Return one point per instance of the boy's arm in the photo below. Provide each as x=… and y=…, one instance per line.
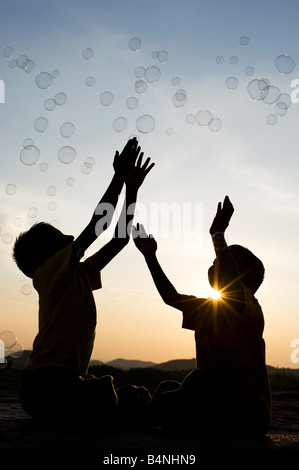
x=226, y=270
x=103, y=213
x=123, y=228
x=147, y=245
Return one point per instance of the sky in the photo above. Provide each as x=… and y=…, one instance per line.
x=193, y=51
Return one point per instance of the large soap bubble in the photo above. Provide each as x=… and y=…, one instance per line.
x=203, y=117
x=163, y=56
x=280, y=108
x=41, y=124
x=120, y=124
x=139, y=71
x=152, y=74
x=140, y=86
x=8, y=339
x=145, y=124
x=270, y=94
x=67, y=129
x=29, y=155
x=44, y=80
x=8, y=51
x=106, y=98
x=255, y=88
x=28, y=65
x=284, y=64
x=66, y=154
x=231, y=83
x=11, y=189
x=132, y=102
x=215, y=124
x=244, y=40
x=271, y=119
x=134, y=44
x=88, y=53
x=60, y=98
x=50, y=104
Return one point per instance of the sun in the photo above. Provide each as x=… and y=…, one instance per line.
x=215, y=294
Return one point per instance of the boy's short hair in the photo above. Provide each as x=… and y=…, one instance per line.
x=29, y=251
x=250, y=267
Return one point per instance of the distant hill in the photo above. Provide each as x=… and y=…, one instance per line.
x=177, y=364
x=129, y=364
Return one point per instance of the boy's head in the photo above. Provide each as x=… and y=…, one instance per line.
x=34, y=247
x=251, y=269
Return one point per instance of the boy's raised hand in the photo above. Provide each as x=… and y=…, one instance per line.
x=222, y=217
x=146, y=244
x=137, y=174
x=124, y=162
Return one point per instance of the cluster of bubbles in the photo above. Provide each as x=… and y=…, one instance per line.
x=22, y=62
x=205, y=118
x=9, y=346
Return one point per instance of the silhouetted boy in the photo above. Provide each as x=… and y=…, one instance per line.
x=55, y=385
x=229, y=390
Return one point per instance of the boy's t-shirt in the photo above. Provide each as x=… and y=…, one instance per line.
x=229, y=343
x=67, y=312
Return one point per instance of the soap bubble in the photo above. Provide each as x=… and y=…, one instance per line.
x=162, y=56
x=88, y=53
x=51, y=191
x=175, y=81
x=190, y=119
x=16, y=351
x=152, y=74
x=50, y=104
x=29, y=155
x=28, y=141
x=44, y=80
x=249, y=71
x=60, y=98
x=271, y=119
x=43, y=166
x=169, y=131
x=145, y=124
x=134, y=44
x=55, y=223
x=90, y=81
x=255, y=88
x=219, y=59
x=67, y=129
x=11, y=189
x=90, y=161
x=203, y=117
x=106, y=98
x=52, y=206
x=26, y=289
x=180, y=98
x=41, y=124
x=120, y=124
x=215, y=124
x=140, y=86
x=55, y=74
x=270, y=94
x=70, y=181
x=12, y=64
x=28, y=65
x=9, y=339
x=285, y=98
x=139, y=72
x=18, y=222
x=86, y=168
x=8, y=51
x=155, y=54
x=66, y=154
x=281, y=108
x=32, y=212
x=284, y=64
x=132, y=102
x=21, y=60
x=233, y=60
x=7, y=238
x=244, y=40
x=231, y=83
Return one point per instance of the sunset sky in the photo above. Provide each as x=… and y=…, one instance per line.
x=254, y=162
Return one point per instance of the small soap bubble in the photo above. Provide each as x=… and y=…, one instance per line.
x=32, y=212
x=88, y=53
x=163, y=56
x=132, y=103
x=152, y=74
x=215, y=124
x=50, y=104
x=90, y=161
x=55, y=74
x=140, y=86
x=60, y=98
x=90, y=81
x=203, y=117
x=28, y=141
x=219, y=59
x=11, y=189
x=233, y=60
x=21, y=60
x=9, y=339
x=86, y=168
x=26, y=289
x=18, y=222
x=244, y=40
x=67, y=129
x=175, y=81
x=43, y=166
x=16, y=351
x=120, y=124
x=7, y=238
x=134, y=44
x=181, y=95
x=249, y=71
x=271, y=119
x=66, y=154
x=70, y=181
x=41, y=124
x=179, y=99
x=106, y=98
x=231, y=83
x=44, y=80
x=52, y=206
x=190, y=119
x=270, y=94
x=145, y=124
x=139, y=72
x=169, y=131
x=281, y=108
x=285, y=98
x=12, y=64
x=51, y=191
x=28, y=65
x=155, y=54
x=8, y=51
x=284, y=64
x=29, y=155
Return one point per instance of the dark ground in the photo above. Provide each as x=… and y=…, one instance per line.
x=21, y=438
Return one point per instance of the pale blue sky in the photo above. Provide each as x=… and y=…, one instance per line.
x=253, y=162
